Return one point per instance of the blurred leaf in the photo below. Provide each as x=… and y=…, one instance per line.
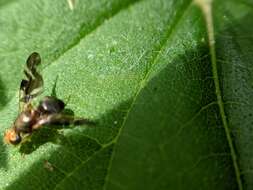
x=172, y=109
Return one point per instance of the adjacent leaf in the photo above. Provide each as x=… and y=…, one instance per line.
x=173, y=109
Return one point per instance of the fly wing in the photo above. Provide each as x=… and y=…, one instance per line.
x=32, y=86
x=33, y=61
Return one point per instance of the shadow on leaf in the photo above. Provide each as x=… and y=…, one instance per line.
x=3, y=98
x=77, y=153
x=3, y=156
x=3, y=102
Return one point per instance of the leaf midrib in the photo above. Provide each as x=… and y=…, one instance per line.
x=206, y=8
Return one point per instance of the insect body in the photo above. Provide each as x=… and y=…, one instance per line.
x=49, y=110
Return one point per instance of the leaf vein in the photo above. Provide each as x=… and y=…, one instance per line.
x=187, y=123
x=79, y=166
x=92, y=29
x=157, y=52
x=206, y=8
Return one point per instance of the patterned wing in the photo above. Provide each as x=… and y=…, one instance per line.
x=32, y=86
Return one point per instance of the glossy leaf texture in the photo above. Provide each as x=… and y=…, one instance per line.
x=169, y=85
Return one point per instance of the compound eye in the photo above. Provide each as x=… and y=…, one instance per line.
x=16, y=139
x=11, y=137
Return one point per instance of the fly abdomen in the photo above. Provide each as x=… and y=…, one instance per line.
x=51, y=105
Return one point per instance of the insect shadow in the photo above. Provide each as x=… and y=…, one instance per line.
x=51, y=133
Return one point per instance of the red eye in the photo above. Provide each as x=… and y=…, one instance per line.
x=11, y=137
x=16, y=140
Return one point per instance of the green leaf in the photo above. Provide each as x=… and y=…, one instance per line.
x=168, y=83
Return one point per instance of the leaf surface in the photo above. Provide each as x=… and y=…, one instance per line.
x=173, y=109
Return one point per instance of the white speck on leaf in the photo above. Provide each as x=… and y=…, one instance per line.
x=71, y=4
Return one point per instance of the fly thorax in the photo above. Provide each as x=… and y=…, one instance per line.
x=25, y=121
